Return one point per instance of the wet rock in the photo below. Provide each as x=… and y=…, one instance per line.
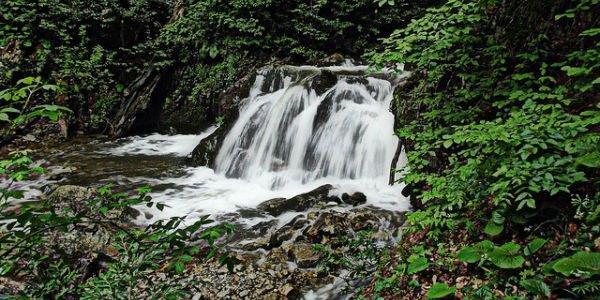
x=299, y=203
x=230, y=100
x=332, y=60
x=327, y=224
x=30, y=138
x=61, y=173
x=305, y=256
x=288, y=231
x=354, y=199
x=323, y=111
x=276, y=206
x=290, y=291
x=146, y=96
x=71, y=199
x=324, y=81
x=205, y=154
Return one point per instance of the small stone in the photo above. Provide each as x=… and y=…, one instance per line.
x=304, y=256
x=29, y=138
x=287, y=290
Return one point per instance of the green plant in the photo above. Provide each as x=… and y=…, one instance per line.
x=581, y=264
x=31, y=235
x=500, y=126
x=536, y=287
x=513, y=133
x=16, y=101
x=440, y=290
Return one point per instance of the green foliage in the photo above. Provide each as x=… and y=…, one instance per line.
x=474, y=253
x=90, y=47
x=500, y=119
x=417, y=264
x=52, y=270
x=15, y=103
x=507, y=256
x=361, y=260
x=440, y=290
x=536, y=287
x=582, y=264
x=502, y=125
x=534, y=246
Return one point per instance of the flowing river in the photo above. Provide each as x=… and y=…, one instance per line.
x=289, y=138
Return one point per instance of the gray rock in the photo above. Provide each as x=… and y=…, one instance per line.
x=305, y=256
x=324, y=81
x=298, y=203
x=71, y=199
x=354, y=199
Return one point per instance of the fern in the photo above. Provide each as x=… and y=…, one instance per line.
x=588, y=288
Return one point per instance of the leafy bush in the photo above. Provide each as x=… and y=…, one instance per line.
x=42, y=242
x=502, y=129
x=16, y=104
x=90, y=47
x=500, y=119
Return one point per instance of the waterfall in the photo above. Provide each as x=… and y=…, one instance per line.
x=298, y=129
x=301, y=124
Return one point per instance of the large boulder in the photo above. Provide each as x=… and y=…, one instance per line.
x=230, y=101
x=146, y=96
x=300, y=202
x=71, y=199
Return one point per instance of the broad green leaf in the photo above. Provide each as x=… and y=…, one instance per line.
x=27, y=80
x=440, y=290
x=590, y=32
x=535, y=286
x=469, y=255
x=583, y=263
x=507, y=256
x=493, y=229
x=417, y=265
x=10, y=110
x=575, y=71
x=591, y=159
x=535, y=245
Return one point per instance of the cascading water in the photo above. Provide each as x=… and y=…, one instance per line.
x=298, y=129
x=288, y=133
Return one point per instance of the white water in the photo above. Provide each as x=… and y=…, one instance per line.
x=274, y=142
x=158, y=144
x=274, y=149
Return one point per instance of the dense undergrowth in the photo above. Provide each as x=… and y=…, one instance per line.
x=99, y=51
x=501, y=120
x=92, y=49
x=79, y=243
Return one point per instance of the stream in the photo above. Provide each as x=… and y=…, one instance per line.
x=299, y=130
x=288, y=139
